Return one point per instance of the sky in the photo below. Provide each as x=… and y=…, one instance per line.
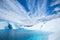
x=24, y=3
x=37, y=11
x=48, y=7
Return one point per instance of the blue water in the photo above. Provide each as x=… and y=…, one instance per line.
x=22, y=34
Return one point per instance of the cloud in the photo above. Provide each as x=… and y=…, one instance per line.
x=18, y=14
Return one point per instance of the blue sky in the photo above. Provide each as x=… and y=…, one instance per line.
x=24, y=3
x=49, y=9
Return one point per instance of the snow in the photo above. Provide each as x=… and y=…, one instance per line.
x=50, y=26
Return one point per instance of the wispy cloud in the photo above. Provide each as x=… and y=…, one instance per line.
x=14, y=11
